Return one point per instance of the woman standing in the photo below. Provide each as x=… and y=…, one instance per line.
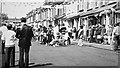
x=80, y=35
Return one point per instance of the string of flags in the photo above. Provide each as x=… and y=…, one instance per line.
x=21, y=3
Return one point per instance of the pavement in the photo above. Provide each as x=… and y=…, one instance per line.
x=95, y=45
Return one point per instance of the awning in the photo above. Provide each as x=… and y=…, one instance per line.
x=87, y=13
x=60, y=17
x=97, y=10
x=94, y=11
x=72, y=15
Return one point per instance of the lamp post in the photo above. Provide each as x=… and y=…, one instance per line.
x=1, y=12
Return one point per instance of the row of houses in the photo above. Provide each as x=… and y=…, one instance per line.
x=75, y=13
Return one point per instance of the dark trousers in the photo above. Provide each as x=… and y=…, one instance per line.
x=117, y=40
x=91, y=39
x=24, y=62
x=44, y=40
x=3, y=54
x=9, y=56
x=69, y=42
x=3, y=47
x=49, y=40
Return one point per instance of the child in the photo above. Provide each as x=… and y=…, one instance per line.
x=50, y=36
x=105, y=39
x=55, y=41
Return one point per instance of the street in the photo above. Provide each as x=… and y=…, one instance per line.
x=94, y=24
x=71, y=55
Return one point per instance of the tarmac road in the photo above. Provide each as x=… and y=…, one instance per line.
x=71, y=56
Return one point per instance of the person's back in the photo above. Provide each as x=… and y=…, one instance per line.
x=26, y=35
x=9, y=37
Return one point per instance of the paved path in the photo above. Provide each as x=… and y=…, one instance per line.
x=96, y=45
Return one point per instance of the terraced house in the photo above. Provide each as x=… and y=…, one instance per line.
x=76, y=12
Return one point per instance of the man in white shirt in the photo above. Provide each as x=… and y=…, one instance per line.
x=9, y=38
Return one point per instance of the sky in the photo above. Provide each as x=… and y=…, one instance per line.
x=19, y=8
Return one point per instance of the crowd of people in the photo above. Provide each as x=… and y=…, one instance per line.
x=52, y=36
x=102, y=35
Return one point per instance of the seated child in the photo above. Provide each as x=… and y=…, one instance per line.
x=105, y=39
x=59, y=41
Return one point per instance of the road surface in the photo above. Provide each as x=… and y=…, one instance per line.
x=42, y=56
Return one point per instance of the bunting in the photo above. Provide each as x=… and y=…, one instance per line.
x=18, y=4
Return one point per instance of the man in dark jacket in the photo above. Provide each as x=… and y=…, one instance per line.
x=92, y=30
x=24, y=35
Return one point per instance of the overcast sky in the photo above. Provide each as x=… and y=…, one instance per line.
x=19, y=8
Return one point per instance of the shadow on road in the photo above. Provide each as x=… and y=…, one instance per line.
x=77, y=67
x=39, y=65
x=34, y=65
x=18, y=64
